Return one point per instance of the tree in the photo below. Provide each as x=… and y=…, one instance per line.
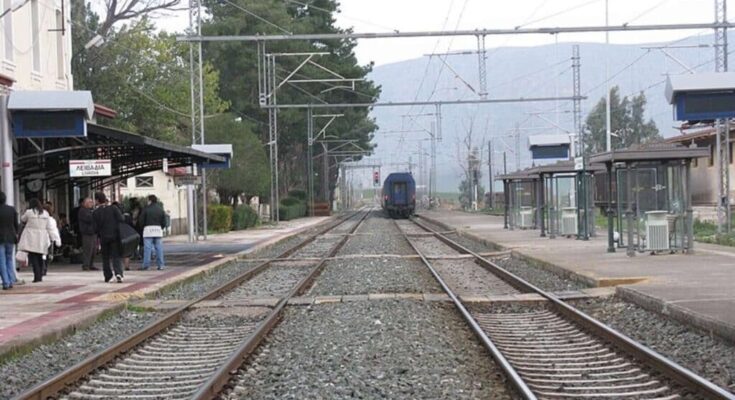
x=144, y=76
x=248, y=175
x=237, y=63
x=626, y=123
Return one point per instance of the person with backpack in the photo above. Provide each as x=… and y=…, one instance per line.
x=38, y=233
x=153, y=221
x=107, y=220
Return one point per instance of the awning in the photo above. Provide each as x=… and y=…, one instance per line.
x=659, y=152
x=131, y=155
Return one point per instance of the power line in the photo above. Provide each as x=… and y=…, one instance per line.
x=256, y=16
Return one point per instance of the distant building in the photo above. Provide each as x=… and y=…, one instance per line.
x=164, y=187
x=704, y=172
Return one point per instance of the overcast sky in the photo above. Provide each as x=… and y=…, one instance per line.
x=422, y=15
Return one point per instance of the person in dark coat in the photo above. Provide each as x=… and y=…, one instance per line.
x=88, y=234
x=74, y=221
x=107, y=220
x=153, y=221
x=8, y=238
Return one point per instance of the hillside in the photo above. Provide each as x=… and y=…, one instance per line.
x=540, y=71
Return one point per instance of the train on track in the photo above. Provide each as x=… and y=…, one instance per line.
x=399, y=195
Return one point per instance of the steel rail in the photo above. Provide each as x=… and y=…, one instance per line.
x=671, y=369
x=515, y=379
x=62, y=380
x=222, y=376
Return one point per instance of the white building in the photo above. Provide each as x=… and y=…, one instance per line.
x=35, y=50
x=163, y=186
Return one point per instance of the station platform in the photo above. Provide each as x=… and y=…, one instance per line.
x=69, y=298
x=698, y=289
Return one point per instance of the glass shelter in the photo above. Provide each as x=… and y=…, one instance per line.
x=521, y=191
x=649, y=207
x=567, y=207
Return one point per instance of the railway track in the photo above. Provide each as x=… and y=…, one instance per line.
x=550, y=350
x=190, y=352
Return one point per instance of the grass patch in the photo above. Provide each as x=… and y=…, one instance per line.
x=138, y=309
x=706, y=232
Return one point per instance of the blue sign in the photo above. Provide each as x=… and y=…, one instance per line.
x=49, y=124
x=705, y=106
x=560, y=151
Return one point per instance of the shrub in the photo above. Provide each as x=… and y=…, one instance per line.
x=220, y=217
x=291, y=208
x=299, y=194
x=244, y=217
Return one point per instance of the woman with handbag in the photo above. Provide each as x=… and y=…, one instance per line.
x=37, y=236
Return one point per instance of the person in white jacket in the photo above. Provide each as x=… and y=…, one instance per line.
x=38, y=233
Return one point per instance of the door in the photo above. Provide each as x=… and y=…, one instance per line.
x=400, y=194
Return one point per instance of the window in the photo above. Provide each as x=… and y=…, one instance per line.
x=123, y=184
x=8, y=30
x=36, y=36
x=711, y=155
x=143, y=181
x=60, y=64
x=730, y=152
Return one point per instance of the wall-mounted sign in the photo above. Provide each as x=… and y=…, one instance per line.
x=184, y=180
x=89, y=168
x=578, y=163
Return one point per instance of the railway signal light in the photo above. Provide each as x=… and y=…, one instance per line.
x=376, y=178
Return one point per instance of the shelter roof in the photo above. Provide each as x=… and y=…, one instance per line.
x=52, y=100
x=700, y=82
x=657, y=152
x=548, y=139
x=525, y=174
x=565, y=166
x=131, y=155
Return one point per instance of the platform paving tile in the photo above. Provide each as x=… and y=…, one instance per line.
x=698, y=286
x=69, y=298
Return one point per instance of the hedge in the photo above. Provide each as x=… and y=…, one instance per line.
x=244, y=217
x=291, y=208
x=219, y=217
x=299, y=194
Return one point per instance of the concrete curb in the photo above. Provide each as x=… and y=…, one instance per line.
x=678, y=313
x=117, y=302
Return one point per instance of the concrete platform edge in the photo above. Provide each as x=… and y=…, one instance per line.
x=711, y=326
x=25, y=345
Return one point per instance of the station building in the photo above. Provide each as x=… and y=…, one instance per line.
x=46, y=126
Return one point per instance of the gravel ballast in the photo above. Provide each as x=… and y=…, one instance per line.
x=374, y=349
x=384, y=238
x=546, y=280
x=710, y=357
x=465, y=277
x=275, y=281
x=374, y=275
x=22, y=373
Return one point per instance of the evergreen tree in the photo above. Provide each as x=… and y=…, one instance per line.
x=627, y=123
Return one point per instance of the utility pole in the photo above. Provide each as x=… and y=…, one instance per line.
x=197, y=118
x=490, y=173
x=505, y=164
x=722, y=126
x=518, y=147
x=482, y=65
x=608, y=128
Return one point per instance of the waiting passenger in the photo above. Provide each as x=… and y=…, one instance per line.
x=107, y=220
x=153, y=221
x=8, y=238
x=88, y=233
x=38, y=233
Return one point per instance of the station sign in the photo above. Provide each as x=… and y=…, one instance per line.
x=89, y=168
x=185, y=180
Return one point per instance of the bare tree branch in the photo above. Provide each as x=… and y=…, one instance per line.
x=127, y=10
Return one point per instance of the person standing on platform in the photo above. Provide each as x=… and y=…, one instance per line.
x=8, y=238
x=153, y=221
x=107, y=220
x=88, y=234
x=38, y=233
